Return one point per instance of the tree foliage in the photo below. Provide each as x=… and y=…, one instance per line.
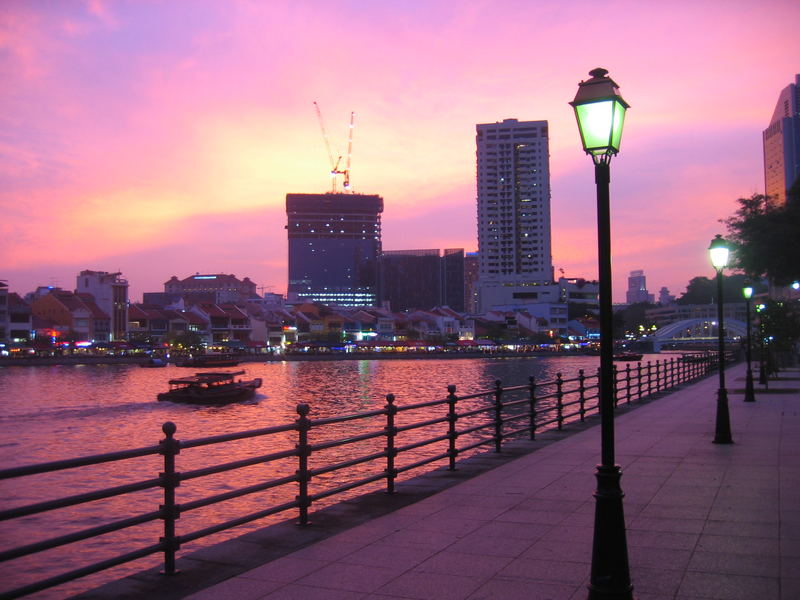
x=702, y=290
x=766, y=239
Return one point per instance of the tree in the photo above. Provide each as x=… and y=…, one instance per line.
x=702, y=290
x=766, y=239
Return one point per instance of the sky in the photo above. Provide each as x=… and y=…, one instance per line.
x=160, y=138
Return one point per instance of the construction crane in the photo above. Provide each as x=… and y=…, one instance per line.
x=335, y=171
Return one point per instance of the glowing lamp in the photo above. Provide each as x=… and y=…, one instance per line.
x=719, y=251
x=600, y=112
x=748, y=292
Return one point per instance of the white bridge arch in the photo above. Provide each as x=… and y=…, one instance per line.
x=696, y=330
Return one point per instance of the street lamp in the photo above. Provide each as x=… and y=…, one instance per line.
x=600, y=112
x=719, y=252
x=762, y=369
x=749, y=393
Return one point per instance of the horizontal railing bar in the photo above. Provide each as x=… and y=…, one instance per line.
x=239, y=435
x=200, y=533
x=252, y=489
x=488, y=394
x=525, y=430
x=425, y=404
x=477, y=411
x=516, y=418
x=423, y=462
x=427, y=442
x=421, y=424
x=476, y=428
x=482, y=442
x=78, y=536
x=82, y=572
x=237, y=464
x=344, y=418
x=520, y=402
x=346, y=487
x=32, y=509
x=348, y=463
x=548, y=422
x=344, y=442
x=71, y=463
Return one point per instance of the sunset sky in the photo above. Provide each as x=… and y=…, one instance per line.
x=160, y=138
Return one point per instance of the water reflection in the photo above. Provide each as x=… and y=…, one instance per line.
x=49, y=413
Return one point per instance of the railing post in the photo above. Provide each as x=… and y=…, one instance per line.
x=628, y=383
x=582, y=393
x=639, y=390
x=303, y=452
x=170, y=511
x=452, y=434
x=532, y=398
x=559, y=400
x=649, y=378
x=391, y=451
x=614, y=384
x=498, y=415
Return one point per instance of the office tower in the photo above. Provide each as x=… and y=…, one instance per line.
x=110, y=293
x=452, y=268
x=637, y=288
x=471, y=267
x=782, y=146
x=423, y=279
x=334, y=248
x=513, y=184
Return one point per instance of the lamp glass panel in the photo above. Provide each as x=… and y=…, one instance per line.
x=719, y=256
x=595, y=120
x=619, y=119
x=748, y=292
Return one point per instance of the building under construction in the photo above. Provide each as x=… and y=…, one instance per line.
x=334, y=248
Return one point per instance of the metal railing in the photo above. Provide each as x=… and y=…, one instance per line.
x=463, y=424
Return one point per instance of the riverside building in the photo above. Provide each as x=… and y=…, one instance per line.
x=110, y=294
x=782, y=146
x=513, y=188
x=334, y=248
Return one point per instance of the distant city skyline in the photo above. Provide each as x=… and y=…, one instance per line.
x=155, y=139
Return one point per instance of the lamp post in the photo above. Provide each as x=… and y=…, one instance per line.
x=749, y=392
x=600, y=112
x=719, y=252
x=762, y=368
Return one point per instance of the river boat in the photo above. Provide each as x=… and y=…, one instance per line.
x=628, y=356
x=152, y=363
x=213, y=361
x=211, y=388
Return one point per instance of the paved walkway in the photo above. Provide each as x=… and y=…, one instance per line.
x=704, y=520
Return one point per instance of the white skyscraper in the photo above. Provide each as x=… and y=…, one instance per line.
x=513, y=176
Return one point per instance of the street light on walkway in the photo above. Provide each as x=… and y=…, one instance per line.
x=749, y=392
x=600, y=112
x=719, y=251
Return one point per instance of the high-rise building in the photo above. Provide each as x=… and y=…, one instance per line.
x=110, y=293
x=782, y=146
x=334, y=248
x=637, y=288
x=513, y=185
x=471, y=269
x=423, y=279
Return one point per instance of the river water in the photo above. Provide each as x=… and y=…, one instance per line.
x=56, y=412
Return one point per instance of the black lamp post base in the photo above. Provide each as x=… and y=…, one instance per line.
x=723, y=429
x=610, y=578
x=749, y=392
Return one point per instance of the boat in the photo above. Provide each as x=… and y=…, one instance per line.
x=211, y=388
x=210, y=360
x=153, y=362
x=628, y=356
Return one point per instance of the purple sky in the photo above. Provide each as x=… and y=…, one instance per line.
x=160, y=138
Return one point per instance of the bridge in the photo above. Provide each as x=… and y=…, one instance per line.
x=697, y=331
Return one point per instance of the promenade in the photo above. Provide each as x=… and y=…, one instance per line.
x=705, y=521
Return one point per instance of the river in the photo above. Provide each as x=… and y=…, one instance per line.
x=56, y=412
